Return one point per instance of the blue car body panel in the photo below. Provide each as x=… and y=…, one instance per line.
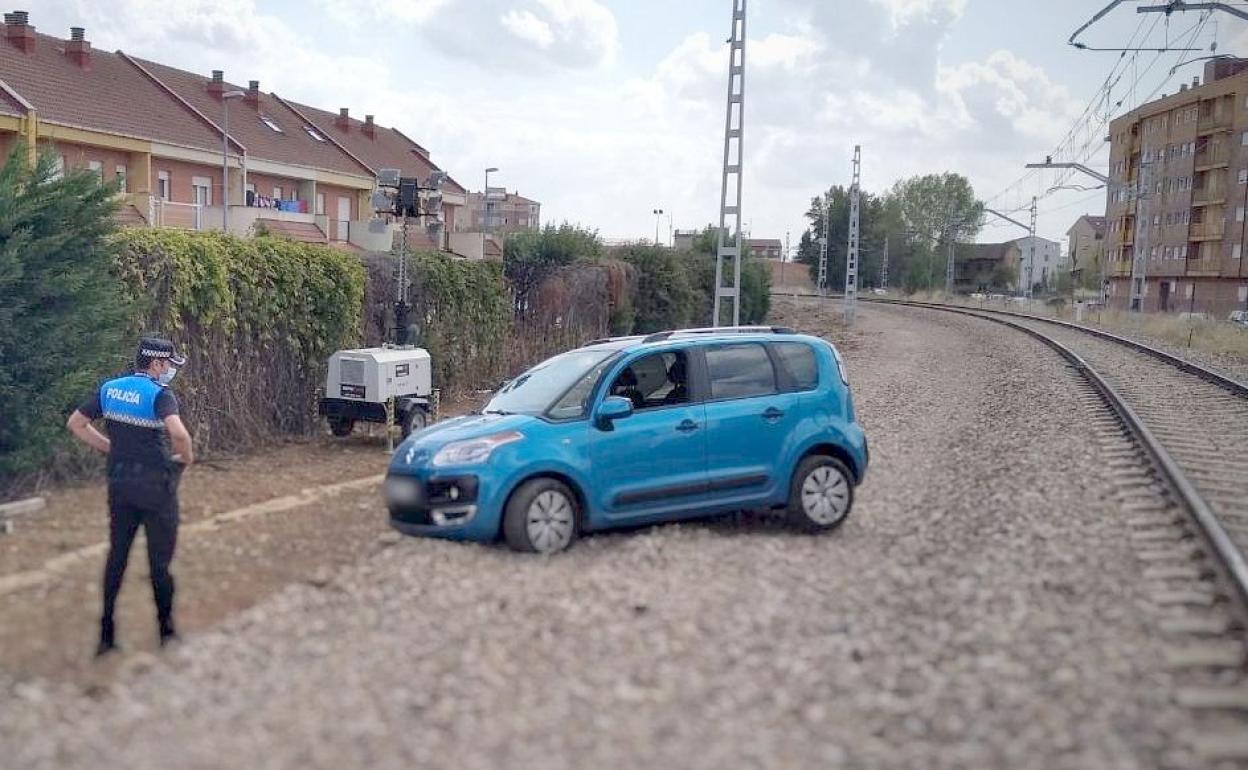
x=658, y=464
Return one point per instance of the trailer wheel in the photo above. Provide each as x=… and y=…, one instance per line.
x=341, y=426
x=415, y=419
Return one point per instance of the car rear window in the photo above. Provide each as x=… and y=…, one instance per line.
x=798, y=370
x=740, y=371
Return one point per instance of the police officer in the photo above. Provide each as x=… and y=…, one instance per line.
x=141, y=416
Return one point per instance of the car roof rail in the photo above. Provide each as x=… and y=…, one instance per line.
x=604, y=340
x=660, y=336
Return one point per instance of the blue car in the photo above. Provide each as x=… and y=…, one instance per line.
x=638, y=430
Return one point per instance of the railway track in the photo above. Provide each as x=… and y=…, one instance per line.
x=1174, y=436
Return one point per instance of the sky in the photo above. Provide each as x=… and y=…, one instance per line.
x=605, y=110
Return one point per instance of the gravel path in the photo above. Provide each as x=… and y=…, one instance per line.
x=980, y=609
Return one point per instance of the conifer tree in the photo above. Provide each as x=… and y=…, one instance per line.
x=63, y=314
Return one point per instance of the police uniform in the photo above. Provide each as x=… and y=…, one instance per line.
x=142, y=481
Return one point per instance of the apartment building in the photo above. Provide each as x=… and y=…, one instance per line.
x=1177, y=197
x=765, y=248
x=501, y=212
x=288, y=169
x=1086, y=244
x=1040, y=264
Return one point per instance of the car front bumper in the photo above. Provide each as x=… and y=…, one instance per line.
x=450, y=505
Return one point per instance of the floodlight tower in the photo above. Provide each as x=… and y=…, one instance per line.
x=734, y=125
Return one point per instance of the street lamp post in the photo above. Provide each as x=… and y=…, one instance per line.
x=485, y=207
x=225, y=157
x=657, y=213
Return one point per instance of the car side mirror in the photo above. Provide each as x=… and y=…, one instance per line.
x=613, y=408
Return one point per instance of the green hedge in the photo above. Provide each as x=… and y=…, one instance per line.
x=259, y=318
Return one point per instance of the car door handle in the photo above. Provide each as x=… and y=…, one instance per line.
x=687, y=426
x=773, y=413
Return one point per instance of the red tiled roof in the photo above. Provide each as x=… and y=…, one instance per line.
x=305, y=232
x=292, y=145
x=112, y=96
x=386, y=148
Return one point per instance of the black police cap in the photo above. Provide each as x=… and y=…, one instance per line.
x=159, y=348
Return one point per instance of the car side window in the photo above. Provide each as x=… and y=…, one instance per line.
x=798, y=368
x=653, y=381
x=740, y=371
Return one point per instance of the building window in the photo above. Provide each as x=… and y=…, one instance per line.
x=1239, y=214
x=266, y=120
x=201, y=190
x=58, y=167
x=1236, y=250
x=312, y=132
x=162, y=185
x=320, y=204
x=96, y=167
x=251, y=188
x=121, y=177
x=277, y=194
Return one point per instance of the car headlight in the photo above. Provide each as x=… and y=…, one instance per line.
x=474, y=450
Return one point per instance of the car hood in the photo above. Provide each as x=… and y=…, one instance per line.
x=421, y=445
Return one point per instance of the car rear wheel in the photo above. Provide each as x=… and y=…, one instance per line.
x=821, y=494
x=541, y=517
x=341, y=426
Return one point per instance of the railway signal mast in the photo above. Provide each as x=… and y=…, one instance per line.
x=729, y=241
x=851, y=252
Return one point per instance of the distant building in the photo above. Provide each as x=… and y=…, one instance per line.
x=987, y=267
x=683, y=240
x=1086, y=244
x=765, y=248
x=1048, y=261
x=501, y=212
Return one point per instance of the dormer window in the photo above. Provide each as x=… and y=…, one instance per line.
x=312, y=132
x=271, y=124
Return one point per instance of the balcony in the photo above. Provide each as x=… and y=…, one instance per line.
x=1206, y=231
x=1211, y=124
x=1210, y=267
x=1208, y=160
x=1209, y=196
x=1118, y=268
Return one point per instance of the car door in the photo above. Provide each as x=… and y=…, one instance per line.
x=652, y=463
x=748, y=423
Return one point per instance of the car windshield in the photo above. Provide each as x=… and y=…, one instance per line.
x=538, y=389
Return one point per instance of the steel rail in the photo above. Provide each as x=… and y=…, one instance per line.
x=1234, y=386
x=1232, y=559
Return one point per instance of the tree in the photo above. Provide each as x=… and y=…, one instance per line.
x=530, y=257
x=63, y=318
x=700, y=267
x=664, y=298
x=933, y=211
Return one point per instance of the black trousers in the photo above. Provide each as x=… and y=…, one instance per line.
x=139, y=496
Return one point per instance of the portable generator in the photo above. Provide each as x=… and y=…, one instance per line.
x=360, y=382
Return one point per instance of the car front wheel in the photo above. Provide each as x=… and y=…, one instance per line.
x=821, y=494
x=541, y=517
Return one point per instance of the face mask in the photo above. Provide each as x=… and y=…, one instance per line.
x=167, y=376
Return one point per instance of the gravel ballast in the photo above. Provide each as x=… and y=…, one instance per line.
x=981, y=608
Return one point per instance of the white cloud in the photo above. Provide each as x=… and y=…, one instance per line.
x=526, y=26
x=603, y=145
x=527, y=36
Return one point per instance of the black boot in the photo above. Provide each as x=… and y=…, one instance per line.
x=168, y=634
x=108, y=639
